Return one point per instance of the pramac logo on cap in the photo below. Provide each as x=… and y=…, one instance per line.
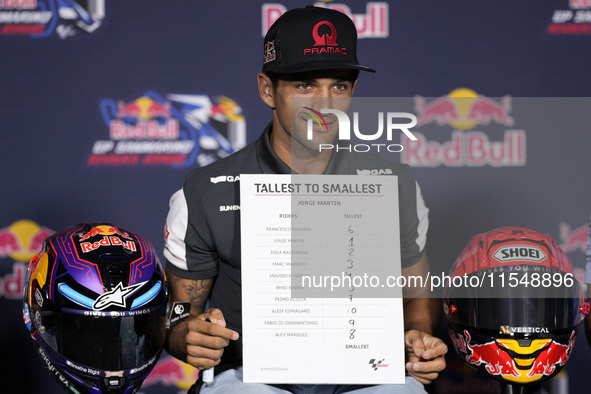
x=325, y=39
x=325, y=43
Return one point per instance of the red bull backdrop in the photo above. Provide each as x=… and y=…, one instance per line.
x=106, y=105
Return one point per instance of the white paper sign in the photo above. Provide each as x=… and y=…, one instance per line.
x=319, y=253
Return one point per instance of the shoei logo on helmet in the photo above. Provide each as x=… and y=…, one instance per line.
x=325, y=43
x=116, y=297
x=507, y=254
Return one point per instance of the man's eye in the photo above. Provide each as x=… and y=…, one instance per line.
x=304, y=86
x=341, y=86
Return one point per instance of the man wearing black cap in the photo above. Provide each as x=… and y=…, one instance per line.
x=308, y=53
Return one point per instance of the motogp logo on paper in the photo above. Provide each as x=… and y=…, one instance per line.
x=375, y=364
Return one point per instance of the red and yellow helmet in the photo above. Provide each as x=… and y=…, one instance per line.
x=513, y=305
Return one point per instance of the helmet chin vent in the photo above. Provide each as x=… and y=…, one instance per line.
x=114, y=384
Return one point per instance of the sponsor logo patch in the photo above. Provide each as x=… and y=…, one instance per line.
x=381, y=171
x=224, y=178
x=506, y=254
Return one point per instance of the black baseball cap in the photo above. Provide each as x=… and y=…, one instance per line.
x=311, y=38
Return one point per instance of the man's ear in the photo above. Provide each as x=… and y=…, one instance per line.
x=266, y=90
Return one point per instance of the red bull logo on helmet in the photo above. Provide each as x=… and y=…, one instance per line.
x=107, y=241
x=555, y=355
x=19, y=242
x=103, y=230
x=507, y=359
x=463, y=110
x=494, y=360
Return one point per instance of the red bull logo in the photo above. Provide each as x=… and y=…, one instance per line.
x=11, y=285
x=169, y=371
x=144, y=108
x=107, y=241
x=580, y=4
x=20, y=241
x=179, y=130
x=441, y=111
x=495, y=361
x=144, y=119
x=554, y=356
x=471, y=149
x=507, y=359
x=372, y=24
x=109, y=236
x=572, y=240
x=269, y=52
x=463, y=109
x=103, y=230
x=459, y=341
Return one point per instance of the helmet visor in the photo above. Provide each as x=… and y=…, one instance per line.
x=517, y=306
x=109, y=343
x=516, y=315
